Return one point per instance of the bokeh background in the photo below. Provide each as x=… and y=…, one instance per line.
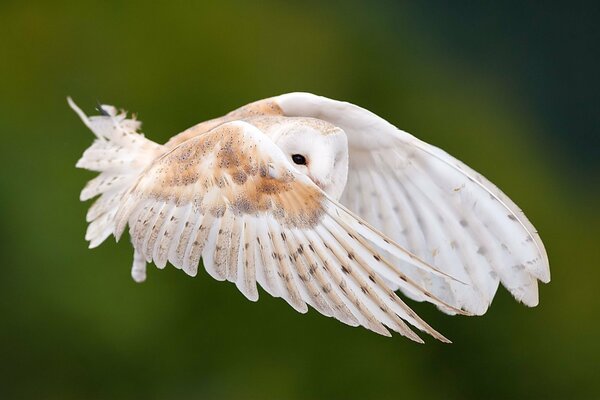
x=511, y=88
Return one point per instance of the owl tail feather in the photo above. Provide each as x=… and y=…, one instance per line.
x=120, y=154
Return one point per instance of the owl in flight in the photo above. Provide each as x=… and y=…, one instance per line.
x=320, y=202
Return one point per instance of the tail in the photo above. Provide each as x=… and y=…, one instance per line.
x=120, y=154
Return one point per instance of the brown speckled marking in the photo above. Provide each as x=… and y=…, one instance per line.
x=223, y=169
x=239, y=177
x=260, y=107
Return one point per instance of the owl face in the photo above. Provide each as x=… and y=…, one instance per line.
x=317, y=149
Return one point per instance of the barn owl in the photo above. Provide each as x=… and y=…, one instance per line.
x=318, y=201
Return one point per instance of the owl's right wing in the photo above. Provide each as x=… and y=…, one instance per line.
x=232, y=198
x=435, y=206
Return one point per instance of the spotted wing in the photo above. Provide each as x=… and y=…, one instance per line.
x=435, y=206
x=231, y=198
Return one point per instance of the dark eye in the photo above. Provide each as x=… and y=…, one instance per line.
x=299, y=159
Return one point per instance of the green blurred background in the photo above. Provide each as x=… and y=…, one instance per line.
x=510, y=88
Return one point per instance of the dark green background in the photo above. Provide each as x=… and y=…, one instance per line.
x=511, y=89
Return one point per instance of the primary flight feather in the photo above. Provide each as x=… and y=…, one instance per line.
x=318, y=201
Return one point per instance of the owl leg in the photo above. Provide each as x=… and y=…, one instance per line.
x=138, y=269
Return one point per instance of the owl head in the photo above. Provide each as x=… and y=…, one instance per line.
x=316, y=149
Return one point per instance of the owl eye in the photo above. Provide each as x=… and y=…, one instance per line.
x=299, y=159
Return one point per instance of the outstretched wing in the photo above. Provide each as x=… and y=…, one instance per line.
x=435, y=206
x=230, y=197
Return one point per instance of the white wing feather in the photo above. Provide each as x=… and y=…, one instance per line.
x=119, y=153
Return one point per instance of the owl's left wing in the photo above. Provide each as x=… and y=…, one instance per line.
x=231, y=197
x=435, y=206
